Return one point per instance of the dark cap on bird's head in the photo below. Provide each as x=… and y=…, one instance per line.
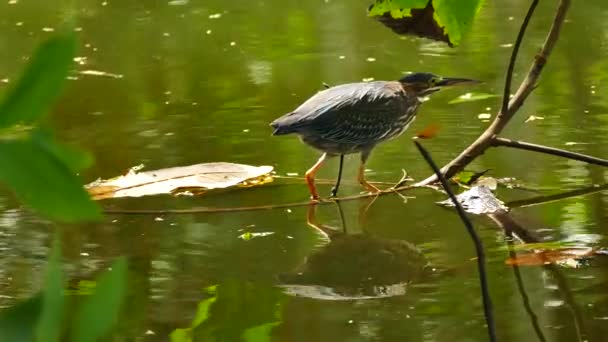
x=424, y=83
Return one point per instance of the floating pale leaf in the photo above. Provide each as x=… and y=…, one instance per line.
x=478, y=200
x=534, y=118
x=470, y=97
x=484, y=116
x=249, y=235
x=489, y=182
x=176, y=180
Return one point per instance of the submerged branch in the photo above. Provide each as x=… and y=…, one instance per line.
x=549, y=150
x=556, y=197
x=524, y=296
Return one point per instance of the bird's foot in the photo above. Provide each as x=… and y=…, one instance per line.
x=370, y=187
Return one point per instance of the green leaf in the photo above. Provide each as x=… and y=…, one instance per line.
x=471, y=97
x=468, y=177
x=99, y=312
x=397, y=8
x=185, y=334
x=74, y=158
x=445, y=20
x=53, y=301
x=43, y=182
x=260, y=333
x=41, y=83
x=456, y=16
x=17, y=323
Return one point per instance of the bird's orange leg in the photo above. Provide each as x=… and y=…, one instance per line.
x=361, y=173
x=310, y=176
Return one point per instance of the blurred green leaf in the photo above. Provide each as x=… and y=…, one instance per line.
x=43, y=182
x=99, y=312
x=74, y=158
x=185, y=334
x=260, y=333
x=82, y=287
x=53, y=302
x=470, y=97
x=41, y=83
x=17, y=323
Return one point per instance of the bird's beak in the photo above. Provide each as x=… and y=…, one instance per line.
x=447, y=82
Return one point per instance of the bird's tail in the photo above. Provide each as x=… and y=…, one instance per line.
x=280, y=130
x=284, y=125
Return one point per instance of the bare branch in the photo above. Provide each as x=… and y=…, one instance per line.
x=549, y=150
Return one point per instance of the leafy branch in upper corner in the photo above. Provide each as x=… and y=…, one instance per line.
x=510, y=105
x=39, y=170
x=443, y=20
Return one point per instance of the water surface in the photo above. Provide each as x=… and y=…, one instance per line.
x=195, y=81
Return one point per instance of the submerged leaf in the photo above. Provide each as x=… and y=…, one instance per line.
x=175, y=180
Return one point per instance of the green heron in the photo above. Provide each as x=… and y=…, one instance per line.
x=355, y=117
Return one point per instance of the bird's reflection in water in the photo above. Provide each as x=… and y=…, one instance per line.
x=354, y=266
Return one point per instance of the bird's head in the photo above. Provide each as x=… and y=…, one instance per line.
x=425, y=83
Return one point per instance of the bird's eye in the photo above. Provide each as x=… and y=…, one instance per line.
x=433, y=81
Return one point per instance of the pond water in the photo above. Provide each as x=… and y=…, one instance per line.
x=194, y=81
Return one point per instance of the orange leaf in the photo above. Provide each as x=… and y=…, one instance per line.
x=428, y=132
x=544, y=257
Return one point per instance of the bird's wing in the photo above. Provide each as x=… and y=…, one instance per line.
x=364, y=114
x=348, y=111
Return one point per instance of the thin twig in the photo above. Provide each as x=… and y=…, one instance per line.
x=326, y=181
x=481, y=259
x=520, y=37
x=211, y=210
x=548, y=150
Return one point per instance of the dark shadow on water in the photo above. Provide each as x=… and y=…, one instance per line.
x=354, y=266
